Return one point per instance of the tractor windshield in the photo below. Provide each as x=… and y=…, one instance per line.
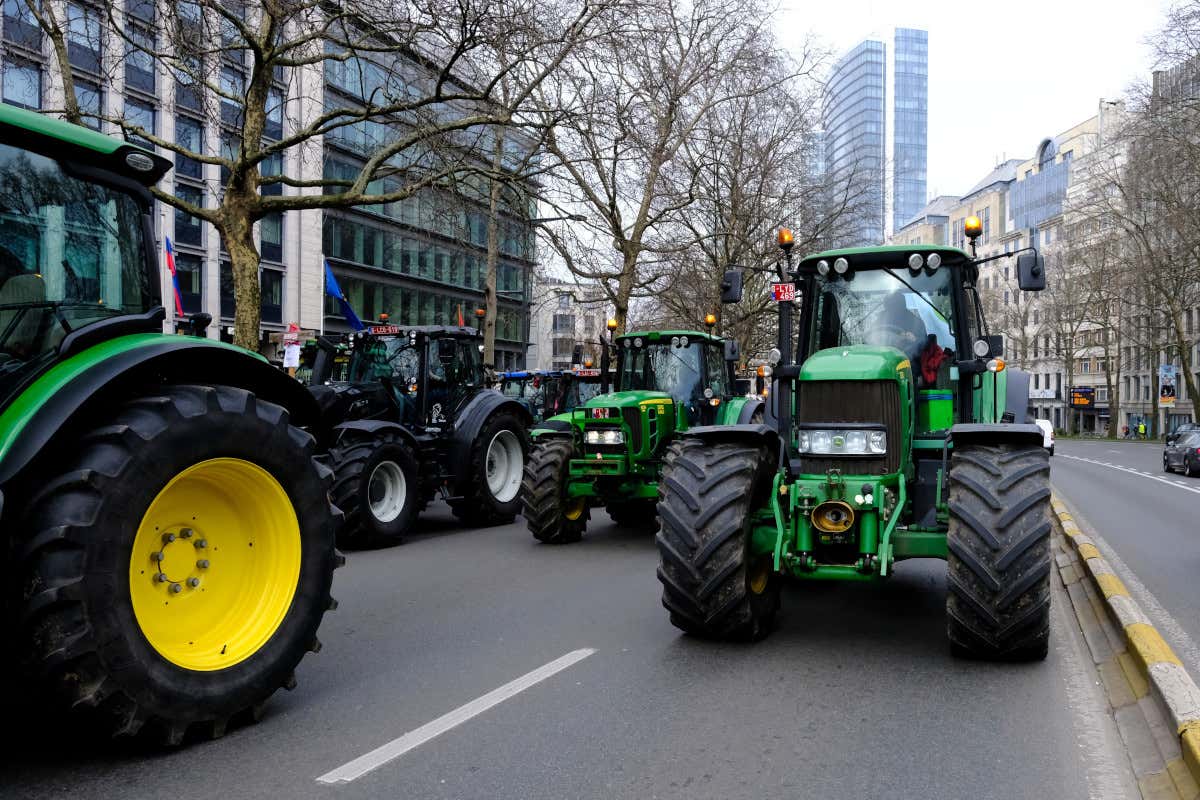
x=72, y=252
x=885, y=307
x=663, y=367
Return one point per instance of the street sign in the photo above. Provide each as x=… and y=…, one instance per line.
x=1083, y=397
x=1041, y=394
x=783, y=292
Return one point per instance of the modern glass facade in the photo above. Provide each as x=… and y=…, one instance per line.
x=910, y=123
x=853, y=119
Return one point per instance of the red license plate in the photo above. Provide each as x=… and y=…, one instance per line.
x=783, y=292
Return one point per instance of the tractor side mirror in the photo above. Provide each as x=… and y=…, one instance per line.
x=1031, y=272
x=447, y=351
x=731, y=286
x=741, y=387
x=732, y=351
x=995, y=345
x=198, y=323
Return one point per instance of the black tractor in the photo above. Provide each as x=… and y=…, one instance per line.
x=407, y=415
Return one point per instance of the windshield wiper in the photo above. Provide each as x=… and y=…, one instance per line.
x=918, y=294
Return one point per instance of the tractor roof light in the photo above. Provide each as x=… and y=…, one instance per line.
x=481, y=312
x=934, y=261
x=774, y=356
x=981, y=348
x=996, y=365
x=915, y=262
x=710, y=320
x=972, y=227
x=823, y=267
x=785, y=239
x=841, y=266
x=611, y=324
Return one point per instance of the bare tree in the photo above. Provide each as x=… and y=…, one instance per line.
x=645, y=92
x=416, y=96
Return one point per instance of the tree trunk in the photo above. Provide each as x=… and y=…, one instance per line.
x=44, y=13
x=237, y=234
x=624, y=289
x=493, y=253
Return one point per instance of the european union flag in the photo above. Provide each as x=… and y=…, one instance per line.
x=331, y=286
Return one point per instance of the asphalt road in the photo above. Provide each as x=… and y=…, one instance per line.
x=1148, y=522
x=855, y=695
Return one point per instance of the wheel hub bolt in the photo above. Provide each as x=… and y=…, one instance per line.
x=161, y=578
x=193, y=582
x=168, y=538
x=201, y=544
x=202, y=563
x=176, y=588
x=156, y=556
x=185, y=533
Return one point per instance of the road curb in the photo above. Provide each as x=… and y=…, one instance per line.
x=1150, y=662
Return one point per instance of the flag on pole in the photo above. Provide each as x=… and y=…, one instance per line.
x=335, y=291
x=461, y=323
x=174, y=278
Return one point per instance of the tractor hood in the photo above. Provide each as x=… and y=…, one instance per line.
x=630, y=399
x=856, y=363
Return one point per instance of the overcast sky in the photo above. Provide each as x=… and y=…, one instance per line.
x=998, y=82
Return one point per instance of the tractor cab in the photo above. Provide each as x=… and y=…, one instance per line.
x=540, y=392
x=688, y=367
x=422, y=373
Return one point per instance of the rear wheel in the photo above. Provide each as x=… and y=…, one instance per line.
x=713, y=585
x=1188, y=469
x=552, y=517
x=496, y=464
x=998, y=560
x=179, y=565
x=375, y=483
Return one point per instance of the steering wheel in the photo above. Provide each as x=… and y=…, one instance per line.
x=888, y=334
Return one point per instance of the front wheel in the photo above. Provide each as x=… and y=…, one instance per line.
x=714, y=586
x=1167, y=464
x=179, y=562
x=375, y=482
x=552, y=516
x=998, y=552
x=495, y=466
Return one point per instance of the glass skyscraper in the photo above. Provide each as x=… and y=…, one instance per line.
x=910, y=123
x=875, y=132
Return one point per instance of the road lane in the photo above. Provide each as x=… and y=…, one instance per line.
x=1150, y=522
x=855, y=695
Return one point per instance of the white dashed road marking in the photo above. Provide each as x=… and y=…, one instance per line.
x=415, y=738
x=1131, y=471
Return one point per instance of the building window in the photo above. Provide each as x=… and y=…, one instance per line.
x=271, y=166
x=189, y=134
x=564, y=301
x=140, y=9
x=189, y=272
x=142, y=115
x=187, y=80
x=139, y=63
x=271, y=287
x=271, y=228
x=83, y=37
x=23, y=84
x=228, y=304
x=232, y=83
x=91, y=102
x=274, y=124
x=20, y=26
x=189, y=229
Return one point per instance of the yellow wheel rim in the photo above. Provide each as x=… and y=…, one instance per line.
x=575, y=508
x=215, y=564
x=759, y=575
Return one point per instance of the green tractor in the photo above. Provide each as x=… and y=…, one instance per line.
x=168, y=542
x=897, y=433
x=610, y=451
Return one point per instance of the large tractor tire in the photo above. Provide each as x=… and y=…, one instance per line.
x=551, y=516
x=998, y=560
x=375, y=484
x=178, y=563
x=641, y=515
x=712, y=585
x=494, y=469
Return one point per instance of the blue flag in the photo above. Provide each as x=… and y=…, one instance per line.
x=335, y=291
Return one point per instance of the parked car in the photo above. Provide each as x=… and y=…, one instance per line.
x=1184, y=454
x=1187, y=427
x=1047, y=434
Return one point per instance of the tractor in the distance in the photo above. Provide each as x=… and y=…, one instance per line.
x=168, y=542
x=897, y=433
x=610, y=451
x=550, y=393
x=406, y=416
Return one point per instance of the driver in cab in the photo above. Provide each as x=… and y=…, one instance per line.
x=897, y=325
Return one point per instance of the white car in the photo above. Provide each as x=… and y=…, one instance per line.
x=1047, y=434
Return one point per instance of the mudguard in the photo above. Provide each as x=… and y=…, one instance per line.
x=556, y=427
x=373, y=427
x=752, y=404
x=735, y=433
x=995, y=433
x=84, y=384
x=467, y=424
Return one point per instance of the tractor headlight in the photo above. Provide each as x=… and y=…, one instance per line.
x=604, y=437
x=843, y=441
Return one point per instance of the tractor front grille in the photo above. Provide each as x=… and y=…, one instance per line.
x=832, y=402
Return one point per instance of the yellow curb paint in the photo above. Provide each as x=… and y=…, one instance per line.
x=1110, y=585
x=1185, y=784
x=1190, y=742
x=1065, y=517
x=1087, y=551
x=1136, y=677
x=1148, y=646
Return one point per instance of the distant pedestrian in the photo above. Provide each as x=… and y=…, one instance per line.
x=1141, y=430
x=1125, y=432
